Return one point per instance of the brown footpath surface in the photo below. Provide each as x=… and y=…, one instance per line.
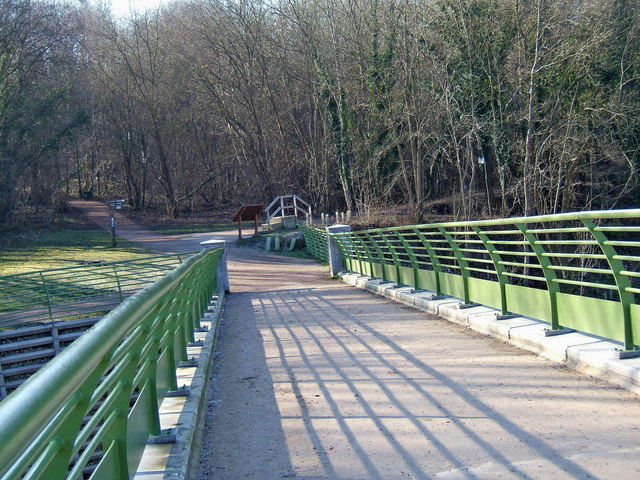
x=317, y=380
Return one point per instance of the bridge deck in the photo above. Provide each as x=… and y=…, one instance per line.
x=316, y=380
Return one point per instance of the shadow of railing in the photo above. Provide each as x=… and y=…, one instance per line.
x=364, y=376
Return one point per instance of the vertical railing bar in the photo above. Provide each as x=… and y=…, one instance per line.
x=394, y=256
x=412, y=258
x=115, y=271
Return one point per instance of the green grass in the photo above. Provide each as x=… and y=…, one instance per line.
x=68, y=242
x=196, y=228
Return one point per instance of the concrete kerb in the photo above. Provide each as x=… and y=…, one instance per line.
x=583, y=352
x=181, y=461
x=189, y=435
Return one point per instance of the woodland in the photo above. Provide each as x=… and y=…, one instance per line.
x=465, y=108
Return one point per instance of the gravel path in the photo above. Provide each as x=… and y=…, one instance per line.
x=98, y=213
x=317, y=380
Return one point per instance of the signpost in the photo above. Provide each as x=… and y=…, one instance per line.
x=113, y=204
x=246, y=213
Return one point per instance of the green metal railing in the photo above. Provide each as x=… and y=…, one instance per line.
x=93, y=407
x=83, y=290
x=316, y=241
x=575, y=270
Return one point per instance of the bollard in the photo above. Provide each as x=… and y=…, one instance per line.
x=222, y=273
x=276, y=243
x=268, y=245
x=335, y=259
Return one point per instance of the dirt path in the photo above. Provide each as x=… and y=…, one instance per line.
x=98, y=213
x=317, y=380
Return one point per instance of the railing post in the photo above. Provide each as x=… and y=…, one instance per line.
x=497, y=264
x=360, y=240
x=622, y=282
x=412, y=258
x=435, y=262
x=381, y=256
x=462, y=263
x=335, y=258
x=549, y=275
x=115, y=272
x=394, y=256
x=46, y=291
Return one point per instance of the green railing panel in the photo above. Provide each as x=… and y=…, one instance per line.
x=592, y=315
x=108, y=468
x=557, y=268
x=452, y=284
x=95, y=378
x=489, y=291
x=316, y=241
x=531, y=300
x=139, y=425
x=428, y=280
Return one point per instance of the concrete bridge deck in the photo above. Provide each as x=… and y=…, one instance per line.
x=316, y=380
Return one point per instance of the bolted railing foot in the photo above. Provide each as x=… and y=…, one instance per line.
x=440, y=297
x=188, y=363
x=463, y=306
x=558, y=331
x=508, y=316
x=165, y=436
x=626, y=354
x=179, y=392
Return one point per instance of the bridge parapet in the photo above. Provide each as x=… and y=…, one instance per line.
x=575, y=270
x=92, y=408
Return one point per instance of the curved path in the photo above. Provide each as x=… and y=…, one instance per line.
x=98, y=213
x=317, y=380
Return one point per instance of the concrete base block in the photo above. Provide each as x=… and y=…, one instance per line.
x=398, y=292
x=361, y=282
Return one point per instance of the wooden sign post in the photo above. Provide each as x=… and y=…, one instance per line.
x=246, y=213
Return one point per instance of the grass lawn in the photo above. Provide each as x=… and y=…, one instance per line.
x=177, y=229
x=201, y=221
x=65, y=242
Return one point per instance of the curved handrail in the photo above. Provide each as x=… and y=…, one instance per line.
x=577, y=270
x=128, y=351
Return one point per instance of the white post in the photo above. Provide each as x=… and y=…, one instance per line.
x=222, y=273
x=335, y=259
